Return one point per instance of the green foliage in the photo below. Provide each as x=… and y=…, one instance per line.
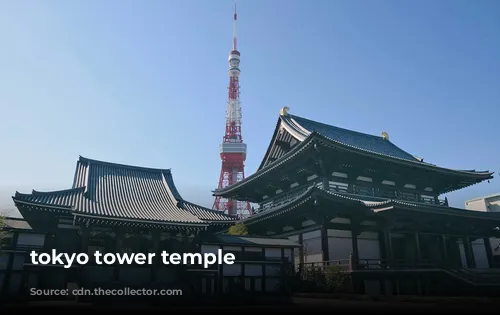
x=333, y=278
x=238, y=229
x=336, y=277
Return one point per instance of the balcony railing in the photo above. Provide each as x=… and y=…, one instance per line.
x=384, y=194
x=376, y=194
x=371, y=264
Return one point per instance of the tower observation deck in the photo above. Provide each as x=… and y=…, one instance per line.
x=233, y=150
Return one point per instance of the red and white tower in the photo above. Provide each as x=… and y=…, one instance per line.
x=232, y=150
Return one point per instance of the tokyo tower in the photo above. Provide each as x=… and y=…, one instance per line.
x=233, y=150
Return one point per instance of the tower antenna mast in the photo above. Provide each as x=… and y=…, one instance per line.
x=233, y=150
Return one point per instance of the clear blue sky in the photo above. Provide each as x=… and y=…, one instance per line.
x=145, y=82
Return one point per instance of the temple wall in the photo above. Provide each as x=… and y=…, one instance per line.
x=135, y=276
x=94, y=274
x=30, y=239
x=480, y=255
x=340, y=245
x=312, y=247
x=369, y=246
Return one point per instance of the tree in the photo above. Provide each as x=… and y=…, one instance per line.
x=3, y=233
x=238, y=229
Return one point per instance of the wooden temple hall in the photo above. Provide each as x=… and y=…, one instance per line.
x=360, y=201
x=116, y=208
x=324, y=195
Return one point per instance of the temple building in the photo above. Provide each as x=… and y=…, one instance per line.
x=489, y=203
x=115, y=208
x=359, y=200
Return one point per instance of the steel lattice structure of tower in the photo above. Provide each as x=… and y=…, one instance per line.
x=233, y=150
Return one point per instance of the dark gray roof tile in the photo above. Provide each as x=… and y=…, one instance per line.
x=122, y=191
x=351, y=138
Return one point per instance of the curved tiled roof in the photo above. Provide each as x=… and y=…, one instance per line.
x=370, y=207
x=306, y=131
x=304, y=127
x=111, y=190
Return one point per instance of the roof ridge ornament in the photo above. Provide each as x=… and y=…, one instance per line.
x=284, y=111
x=385, y=135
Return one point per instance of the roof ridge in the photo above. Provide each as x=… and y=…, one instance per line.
x=333, y=126
x=204, y=208
x=36, y=192
x=120, y=165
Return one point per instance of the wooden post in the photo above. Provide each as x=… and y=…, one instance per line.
x=301, y=253
x=324, y=243
x=157, y=251
x=263, y=282
x=220, y=278
x=388, y=246
x=445, y=251
x=417, y=244
x=489, y=251
x=469, y=253
x=10, y=262
x=84, y=249
x=354, y=239
x=118, y=249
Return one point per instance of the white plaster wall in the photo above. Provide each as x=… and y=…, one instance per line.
x=209, y=249
x=29, y=239
x=368, y=246
x=340, y=245
x=312, y=246
x=480, y=255
x=253, y=270
x=232, y=270
x=273, y=253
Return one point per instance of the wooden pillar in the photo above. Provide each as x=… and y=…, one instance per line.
x=157, y=251
x=118, y=249
x=354, y=239
x=220, y=278
x=445, y=259
x=324, y=243
x=469, y=253
x=489, y=251
x=326, y=183
x=263, y=282
x=301, y=253
x=84, y=248
x=454, y=255
x=10, y=263
x=283, y=274
x=417, y=245
x=388, y=246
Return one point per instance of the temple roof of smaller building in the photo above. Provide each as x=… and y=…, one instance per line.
x=16, y=224
x=116, y=191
